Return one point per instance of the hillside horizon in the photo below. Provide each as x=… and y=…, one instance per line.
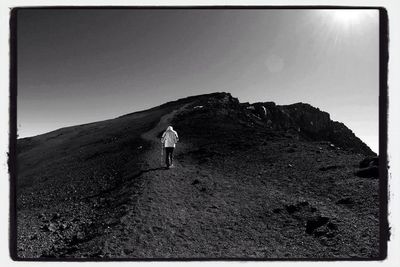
x=168, y=102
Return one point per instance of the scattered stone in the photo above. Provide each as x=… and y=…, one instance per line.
x=32, y=237
x=52, y=227
x=63, y=226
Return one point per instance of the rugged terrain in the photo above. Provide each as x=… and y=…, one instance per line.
x=250, y=181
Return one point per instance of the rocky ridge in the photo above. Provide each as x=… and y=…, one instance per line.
x=251, y=180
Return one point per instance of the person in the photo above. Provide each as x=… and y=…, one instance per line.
x=169, y=140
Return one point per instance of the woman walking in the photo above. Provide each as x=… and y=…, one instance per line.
x=169, y=140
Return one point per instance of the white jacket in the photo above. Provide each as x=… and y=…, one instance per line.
x=169, y=137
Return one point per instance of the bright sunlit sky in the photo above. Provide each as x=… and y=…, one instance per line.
x=80, y=66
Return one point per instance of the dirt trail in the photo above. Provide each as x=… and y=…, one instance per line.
x=183, y=212
x=155, y=221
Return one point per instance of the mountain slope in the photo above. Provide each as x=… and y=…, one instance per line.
x=255, y=180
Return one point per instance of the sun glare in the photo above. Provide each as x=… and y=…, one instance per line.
x=348, y=17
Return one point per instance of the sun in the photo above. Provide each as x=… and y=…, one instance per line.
x=347, y=16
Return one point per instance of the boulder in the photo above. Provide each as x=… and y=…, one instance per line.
x=369, y=172
x=369, y=161
x=369, y=168
x=260, y=110
x=314, y=223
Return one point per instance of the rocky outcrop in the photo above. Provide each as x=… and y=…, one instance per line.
x=309, y=122
x=309, y=119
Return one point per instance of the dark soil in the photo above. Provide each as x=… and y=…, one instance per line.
x=242, y=186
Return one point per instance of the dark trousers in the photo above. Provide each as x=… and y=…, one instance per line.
x=168, y=155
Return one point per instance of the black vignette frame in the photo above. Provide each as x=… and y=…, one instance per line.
x=383, y=127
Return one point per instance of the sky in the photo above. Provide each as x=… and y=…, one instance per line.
x=80, y=66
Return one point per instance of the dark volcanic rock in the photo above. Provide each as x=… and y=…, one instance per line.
x=369, y=172
x=315, y=223
x=369, y=168
x=369, y=162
